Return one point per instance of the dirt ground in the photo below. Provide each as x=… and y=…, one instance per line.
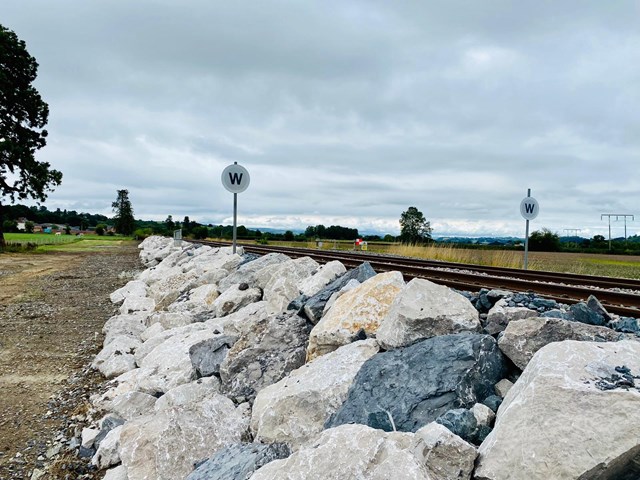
x=52, y=308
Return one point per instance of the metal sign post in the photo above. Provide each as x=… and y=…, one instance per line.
x=529, y=209
x=235, y=178
x=177, y=238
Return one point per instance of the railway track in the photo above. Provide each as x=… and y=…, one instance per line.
x=618, y=295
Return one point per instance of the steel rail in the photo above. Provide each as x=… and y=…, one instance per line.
x=560, y=287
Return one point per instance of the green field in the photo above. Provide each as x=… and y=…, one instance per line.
x=45, y=242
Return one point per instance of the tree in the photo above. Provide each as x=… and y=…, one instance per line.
x=28, y=226
x=23, y=115
x=124, y=222
x=100, y=229
x=414, y=228
x=200, y=232
x=288, y=236
x=169, y=223
x=186, y=226
x=544, y=241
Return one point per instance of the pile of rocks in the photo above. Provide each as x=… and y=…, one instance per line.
x=226, y=366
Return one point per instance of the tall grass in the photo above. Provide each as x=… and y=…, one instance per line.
x=448, y=253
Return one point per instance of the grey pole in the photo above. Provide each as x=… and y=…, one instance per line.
x=235, y=218
x=526, y=239
x=235, y=221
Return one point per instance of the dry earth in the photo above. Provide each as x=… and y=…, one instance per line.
x=52, y=309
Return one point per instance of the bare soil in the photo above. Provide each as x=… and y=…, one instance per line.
x=52, y=309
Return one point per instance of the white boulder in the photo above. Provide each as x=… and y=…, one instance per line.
x=362, y=308
x=294, y=409
x=423, y=310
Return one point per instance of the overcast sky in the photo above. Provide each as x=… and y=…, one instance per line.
x=343, y=112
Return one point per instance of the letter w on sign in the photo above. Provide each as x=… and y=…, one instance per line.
x=235, y=178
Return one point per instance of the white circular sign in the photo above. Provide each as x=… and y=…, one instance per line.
x=529, y=208
x=235, y=178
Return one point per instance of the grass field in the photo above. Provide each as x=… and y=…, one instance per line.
x=70, y=243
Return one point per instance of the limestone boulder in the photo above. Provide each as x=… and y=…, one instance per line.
x=523, y=338
x=189, y=394
x=239, y=461
x=135, y=380
x=424, y=309
x=406, y=388
x=247, y=272
x=135, y=288
x=295, y=409
x=350, y=285
x=263, y=355
x=239, y=322
x=501, y=314
x=171, y=360
x=108, y=453
x=326, y=274
x=169, y=320
x=124, y=325
x=173, y=283
x=571, y=414
x=117, y=357
x=165, y=446
x=148, y=346
x=235, y=298
x=352, y=451
x=132, y=404
x=360, y=309
x=281, y=283
x=196, y=300
x=313, y=307
x=116, y=473
x=134, y=304
x=448, y=457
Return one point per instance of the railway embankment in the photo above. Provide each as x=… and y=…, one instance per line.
x=223, y=365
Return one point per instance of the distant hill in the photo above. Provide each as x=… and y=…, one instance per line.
x=480, y=240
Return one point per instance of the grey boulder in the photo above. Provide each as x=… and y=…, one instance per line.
x=407, y=388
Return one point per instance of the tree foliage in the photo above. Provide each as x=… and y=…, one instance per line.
x=124, y=222
x=23, y=116
x=334, y=232
x=544, y=241
x=414, y=228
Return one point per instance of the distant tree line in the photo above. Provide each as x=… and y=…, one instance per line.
x=58, y=217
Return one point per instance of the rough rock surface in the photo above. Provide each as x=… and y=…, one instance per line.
x=166, y=445
x=449, y=457
x=326, y=274
x=281, y=284
x=362, y=308
x=171, y=360
x=501, y=314
x=294, y=409
x=314, y=307
x=247, y=272
x=352, y=451
x=558, y=420
x=234, y=298
x=412, y=386
x=424, y=309
x=207, y=355
x=523, y=338
x=263, y=355
x=239, y=461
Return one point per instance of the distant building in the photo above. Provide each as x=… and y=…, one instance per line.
x=22, y=224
